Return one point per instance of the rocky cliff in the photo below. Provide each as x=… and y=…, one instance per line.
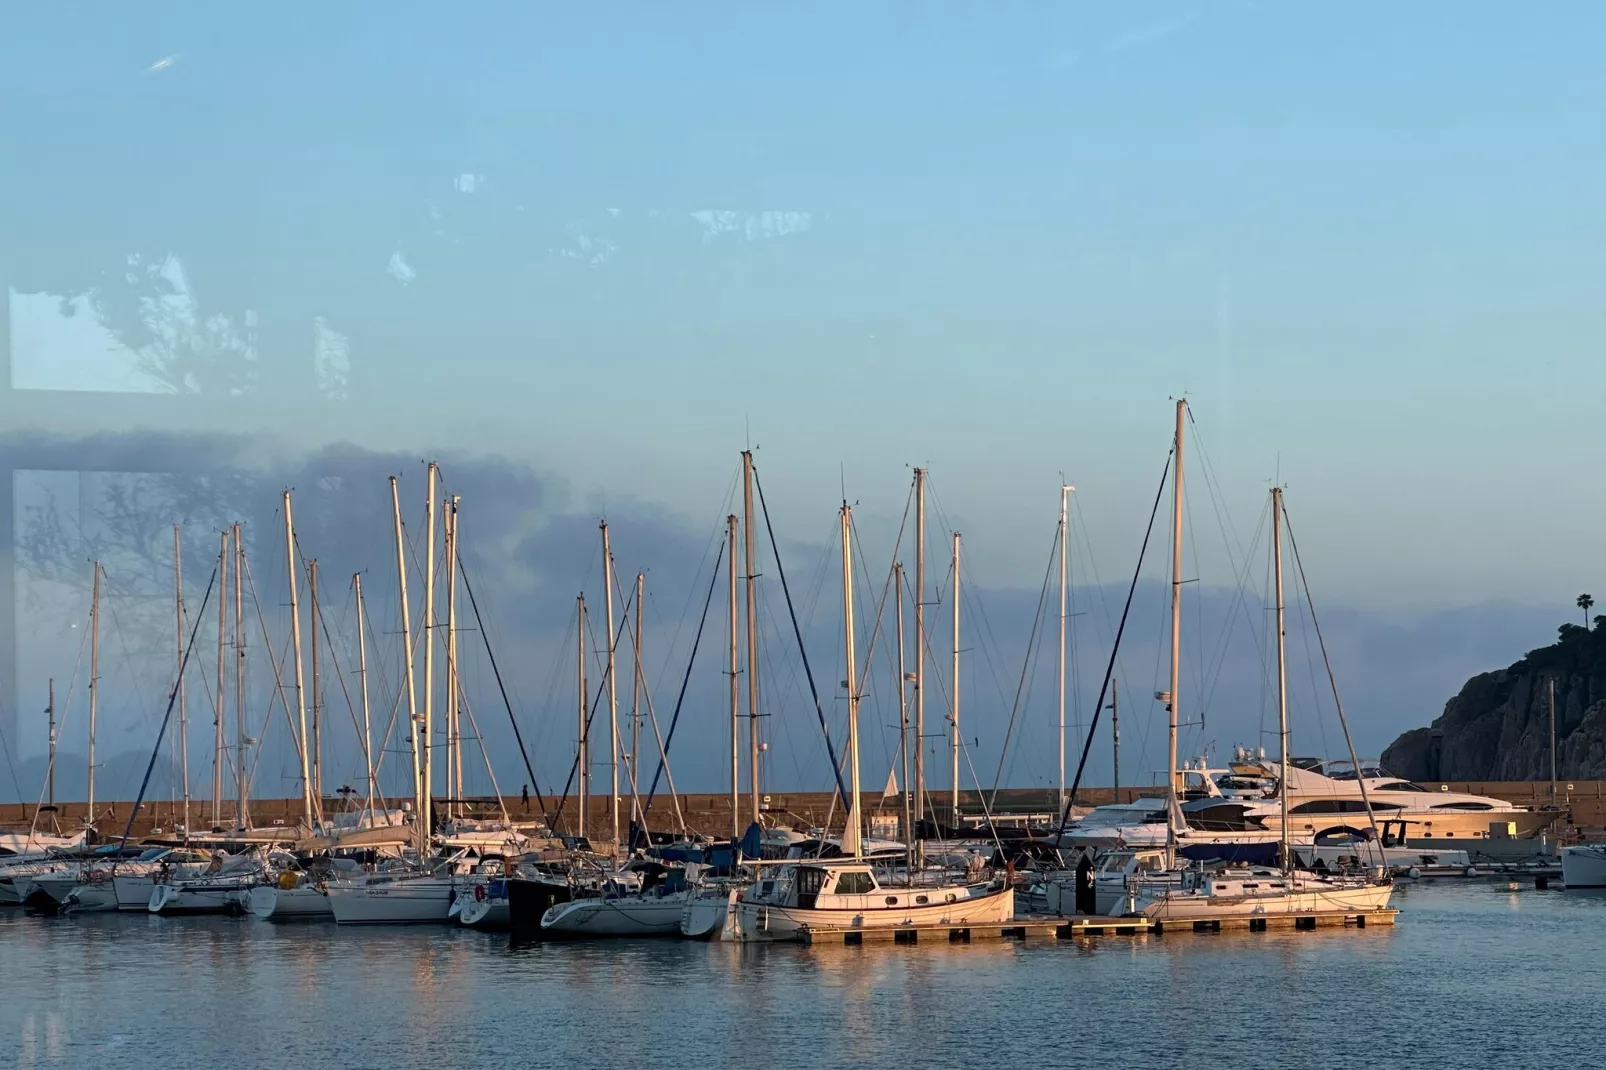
x=1498, y=727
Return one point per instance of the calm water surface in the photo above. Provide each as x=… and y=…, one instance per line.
x=1473, y=975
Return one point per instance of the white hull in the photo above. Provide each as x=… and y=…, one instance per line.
x=404, y=901
x=1308, y=896
x=90, y=897
x=490, y=914
x=1584, y=866
x=58, y=885
x=223, y=897
x=627, y=915
x=710, y=915
x=303, y=903
x=758, y=921
x=134, y=892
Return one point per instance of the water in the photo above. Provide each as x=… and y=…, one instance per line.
x=1473, y=975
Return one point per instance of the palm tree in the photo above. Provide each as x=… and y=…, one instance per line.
x=1584, y=603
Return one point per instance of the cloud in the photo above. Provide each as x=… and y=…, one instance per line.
x=162, y=64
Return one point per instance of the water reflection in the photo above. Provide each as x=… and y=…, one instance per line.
x=1461, y=958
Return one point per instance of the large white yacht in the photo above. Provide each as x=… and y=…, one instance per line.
x=1323, y=794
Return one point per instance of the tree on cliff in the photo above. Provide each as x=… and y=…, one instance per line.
x=1584, y=603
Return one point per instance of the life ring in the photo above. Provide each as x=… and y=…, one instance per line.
x=479, y=893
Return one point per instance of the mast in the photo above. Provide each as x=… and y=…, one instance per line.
x=1065, y=576
x=241, y=817
x=954, y=720
x=736, y=731
x=362, y=678
x=851, y=841
x=178, y=655
x=582, y=741
x=903, y=721
x=1282, y=674
x=94, y=686
x=427, y=729
x=1552, y=688
x=920, y=644
x=613, y=691
x=1172, y=697
x=217, y=701
x=317, y=687
x=50, y=770
x=635, y=711
x=295, y=641
x=753, y=746
x=420, y=819
x=454, y=734
x=1115, y=734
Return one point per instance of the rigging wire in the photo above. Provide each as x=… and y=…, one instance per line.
x=814, y=691
x=1109, y=668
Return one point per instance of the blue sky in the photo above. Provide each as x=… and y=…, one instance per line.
x=1365, y=238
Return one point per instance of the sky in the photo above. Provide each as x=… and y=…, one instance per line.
x=613, y=247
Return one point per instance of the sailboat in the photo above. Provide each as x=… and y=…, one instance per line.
x=1235, y=890
x=846, y=893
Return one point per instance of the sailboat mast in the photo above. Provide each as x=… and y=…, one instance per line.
x=753, y=746
x=953, y=809
x=1282, y=672
x=94, y=686
x=903, y=720
x=454, y=712
x=317, y=686
x=736, y=722
x=920, y=644
x=241, y=817
x=50, y=770
x=295, y=641
x=1115, y=735
x=582, y=741
x=362, y=679
x=420, y=819
x=613, y=690
x=427, y=730
x=217, y=701
x=851, y=839
x=1065, y=576
x=635, y=710
x=1173, y=698
x=178, y=656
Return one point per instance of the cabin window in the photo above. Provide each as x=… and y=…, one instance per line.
x=922, y=900
x=854, y=884
x=1464, y=806
x=892, y=900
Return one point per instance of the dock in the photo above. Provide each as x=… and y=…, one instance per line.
x=1039, y=928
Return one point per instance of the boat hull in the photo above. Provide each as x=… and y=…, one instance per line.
x=626, y=915
x=759, y=921
x=710, y=916
x=529, y=900
x=303, y=903
x=1584, y=866
x=134, y=892
x=416, y=901
x=1177, y=904
x=220, y=898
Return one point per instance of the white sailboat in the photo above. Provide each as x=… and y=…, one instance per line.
x=846, y=893
x=1180, y=894
x=223, y=887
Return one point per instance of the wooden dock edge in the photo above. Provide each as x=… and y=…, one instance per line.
x=1041, y=928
